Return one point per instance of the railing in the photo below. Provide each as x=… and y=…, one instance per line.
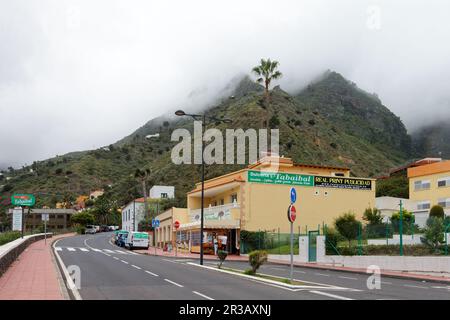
x=212, y=210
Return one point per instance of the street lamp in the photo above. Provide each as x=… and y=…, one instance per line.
x=203, y=117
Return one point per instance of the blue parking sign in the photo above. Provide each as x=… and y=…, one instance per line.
x=155, y=223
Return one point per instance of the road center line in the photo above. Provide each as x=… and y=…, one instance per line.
x=153, y=274
x=124, y=261
x=322, y=274
x=202, y=295
x=350, y=278
x=169, y=260
x=330, y=295
x=116, y=258
x=136, y=267
x=177, y=284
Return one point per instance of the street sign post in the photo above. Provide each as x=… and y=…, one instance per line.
x=155, y=225
x=292, y=215
x=23, y=200
x=45, y=218
x=176, y=225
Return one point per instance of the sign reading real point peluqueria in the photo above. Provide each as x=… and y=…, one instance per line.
x=309, y=180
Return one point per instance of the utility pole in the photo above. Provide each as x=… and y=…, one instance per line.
x=400, y=228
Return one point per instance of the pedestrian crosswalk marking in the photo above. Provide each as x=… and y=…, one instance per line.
x=97, y=250
x=84, y=249
x=58, y=249
x=71, y=249
x=107, y=250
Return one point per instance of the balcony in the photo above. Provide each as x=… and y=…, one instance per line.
x=223, y=212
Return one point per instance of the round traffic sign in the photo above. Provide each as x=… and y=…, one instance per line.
x=293, y=195
x=292, y=213
x=176, y=224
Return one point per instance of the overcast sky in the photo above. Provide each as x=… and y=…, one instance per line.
x=78, y=75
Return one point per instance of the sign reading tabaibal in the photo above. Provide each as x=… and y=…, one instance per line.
x=343, y=183
x=280, y=178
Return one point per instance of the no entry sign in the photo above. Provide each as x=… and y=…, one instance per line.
x=292, y=213
x=176, y=224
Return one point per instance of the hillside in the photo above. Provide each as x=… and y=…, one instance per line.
x=331, y=122
x=432, y=140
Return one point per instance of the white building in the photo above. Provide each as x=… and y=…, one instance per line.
x=390, y=205
x=132, y=214
x=162, y=192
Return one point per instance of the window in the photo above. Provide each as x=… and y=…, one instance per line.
x=214, y=203
x=424, y=205
x=339, y=174
x=444, y=202
x=60, y=216
x=164, y=195
x=233, y=198
x=222, y=202
x=422, y=185
x=444, y=182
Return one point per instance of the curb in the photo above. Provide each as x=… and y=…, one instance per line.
x=59, y=274
x=68, y=284
x=383, y=274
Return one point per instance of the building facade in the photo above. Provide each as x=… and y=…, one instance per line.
x=162, y=192
x=132, y=214
x=257, y=198
x=166, y=233
x=59, y=219
x=390, y=205
x=429, y=185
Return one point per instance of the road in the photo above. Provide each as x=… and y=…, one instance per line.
x=109, y=272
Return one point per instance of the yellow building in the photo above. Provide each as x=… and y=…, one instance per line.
x=165, y=233
x=257, y=198
x=429, y=185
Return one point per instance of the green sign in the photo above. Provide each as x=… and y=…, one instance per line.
x=343, y=183
x=280, y=178
x=23, y=200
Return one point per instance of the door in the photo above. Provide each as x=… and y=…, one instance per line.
x=312, y=247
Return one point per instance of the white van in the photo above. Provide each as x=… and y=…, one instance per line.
x=137, y=240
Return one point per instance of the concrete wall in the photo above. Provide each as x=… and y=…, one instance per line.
x=407, y=240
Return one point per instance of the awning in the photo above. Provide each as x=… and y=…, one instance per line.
x=211, y=224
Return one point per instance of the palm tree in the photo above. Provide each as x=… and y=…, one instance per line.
x=142, y=176
x=266, y=72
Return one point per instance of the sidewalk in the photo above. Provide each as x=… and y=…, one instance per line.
x=387, y=273
x=186, y=254
x=33, y=276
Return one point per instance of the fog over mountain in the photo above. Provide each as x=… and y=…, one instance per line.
x=78, y=75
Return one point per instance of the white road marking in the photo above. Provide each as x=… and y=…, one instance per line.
x=120, y=251
x=153, y=274
x=124, y=261
x=202, y=295
x=322, y=274
x=384, y=282
x=96, y=250
x=170, y=260
x=107, y=254
x=71, y=249
x=350, y=278
x=438, y=287
x=299, y=271
x=84, y=249
x=58, y=249
x=330, y=295
x=116, y=258
x=412, y=286
x=177, y=284
x=273, y=268
x=136, y=267
x=107, y=250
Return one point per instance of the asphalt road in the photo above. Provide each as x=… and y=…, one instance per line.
x=109, y=272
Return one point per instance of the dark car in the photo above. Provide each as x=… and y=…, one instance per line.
x=122, y=239
x=104, y=228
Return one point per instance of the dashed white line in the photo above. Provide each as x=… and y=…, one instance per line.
x=153, y=274
x=124, y=261
x=106, y=254
x=120, y=251
x=330, y=295
x=71, y=249
x=412, y=286
x=174, y=283
x=107, y=250
x=139, y=268
x=322, y=274
x=350, y=278
x=116, y=258
x=202, y=295
x=84, y=249
x=297, y=271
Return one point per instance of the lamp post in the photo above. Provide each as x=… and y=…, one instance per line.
x=203, y=118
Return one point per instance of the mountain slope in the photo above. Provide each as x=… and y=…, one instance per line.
x=331, y=122
x=432, y=140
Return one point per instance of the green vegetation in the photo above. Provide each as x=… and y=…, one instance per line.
x=347, y=226
x=222, y=255
x=256, y=259
x=82, y=218
x=267, y=72
x=434, y=233
x=395, y=186
x=9, y=236
x=437, y=211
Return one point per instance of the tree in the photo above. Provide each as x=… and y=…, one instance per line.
x=437, y=211
x=82, y=218
x=256, y=259
x=408, y=221
x=373, y=216
x=142, y=176
x=267, y=72
x=347, y=226
x=434, y=233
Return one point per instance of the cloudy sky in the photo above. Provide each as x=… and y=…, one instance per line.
x=78, y=75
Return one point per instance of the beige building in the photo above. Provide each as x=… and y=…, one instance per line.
x=257, y=198
x=429, y=185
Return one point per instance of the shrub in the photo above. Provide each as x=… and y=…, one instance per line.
x=9, y=236
x=80, y=229
x=434, y=233
x=437, y=211
x=222, y=255
x=82, y=218
x=332, y=237
x=347, y=226
x=373, y=216
x=58, y=171
x=256, y=259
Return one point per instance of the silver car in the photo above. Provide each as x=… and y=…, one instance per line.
x=90, y=230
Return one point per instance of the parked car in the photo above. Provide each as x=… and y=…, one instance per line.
x=97, y=228
x=137, y=239
x=90, y=229
x=122, y=239
x=104, y=228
